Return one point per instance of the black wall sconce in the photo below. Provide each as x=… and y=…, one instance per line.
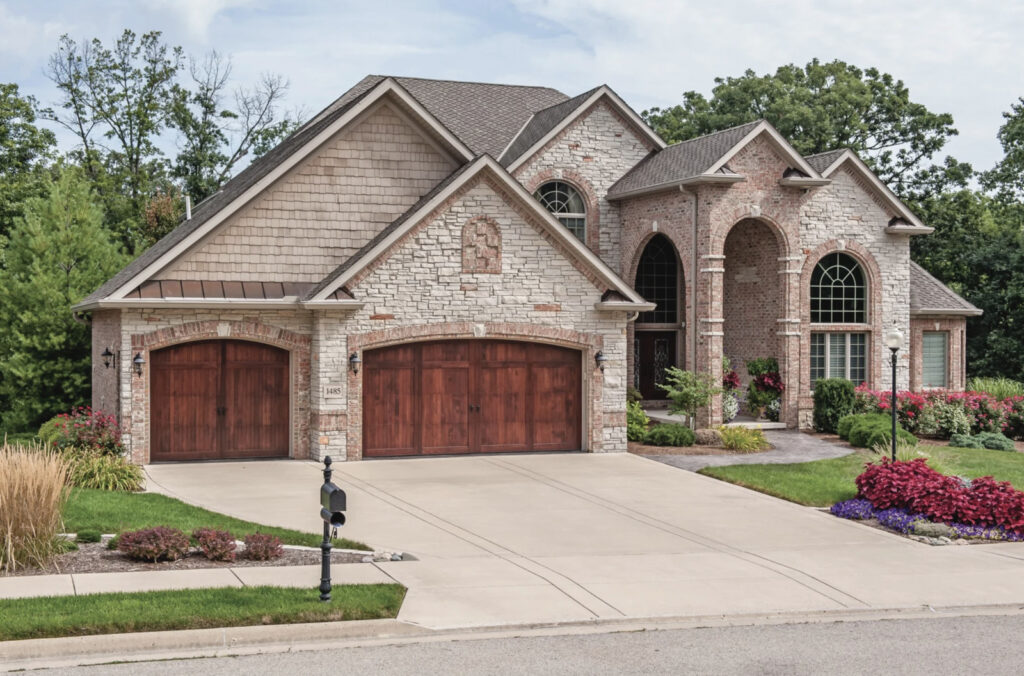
x=138, y=363
x=353, y=363
x=108, y=357
x=600, y=359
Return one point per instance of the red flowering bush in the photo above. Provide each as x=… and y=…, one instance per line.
x=154, y=544
x=730, y=381
x=216, y=545
x=990, y=414
x=263, y=547
x=83, y=429
x=986, y=413
x=1014, y=417
x=916, y=487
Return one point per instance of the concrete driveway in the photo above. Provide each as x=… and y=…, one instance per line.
x=553, y=538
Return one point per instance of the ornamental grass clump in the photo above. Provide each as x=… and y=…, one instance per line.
x=32, y=494
x=743, y=439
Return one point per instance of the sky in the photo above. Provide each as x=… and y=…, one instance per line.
x=961, y=57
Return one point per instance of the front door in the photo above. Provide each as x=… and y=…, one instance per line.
x=655, y=352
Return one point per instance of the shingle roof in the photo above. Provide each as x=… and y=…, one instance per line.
x=541, y=123
x=823, y=161
x=681, y=161
x=391, y=227
x=233, y=188
x=929, y=295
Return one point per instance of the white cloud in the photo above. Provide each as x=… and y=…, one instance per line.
x=196, y=15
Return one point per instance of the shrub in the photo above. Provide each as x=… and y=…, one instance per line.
x=32, y=493
x=998, y=388
x=730, y=407
x=85, y=429
x=114, y=542
x=743, y=439
x=670, y=434
x=154, y=544
x=88, y=536
x=216, y=545
x=765, y=388
x=1014, y=417
x=636, y=421
x=730, y=379
x=865, y=430
x=633, y=394
x=708, y=437
x=688, y=391
x=103, y=472
x=263, y=547
x=833, y=399
x=943, y=419
x=990, y=440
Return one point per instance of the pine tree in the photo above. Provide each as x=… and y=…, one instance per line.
x=58, y=253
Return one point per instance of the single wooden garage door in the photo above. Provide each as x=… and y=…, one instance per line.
x=471, y=396
x=218, y=399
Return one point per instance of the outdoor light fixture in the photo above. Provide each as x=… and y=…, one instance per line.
x=600, y=359
x=894, y=341
x=138, y=363
x=107, y=356
x=353, y=363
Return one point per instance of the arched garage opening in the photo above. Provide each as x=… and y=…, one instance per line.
x=219, y=400
x=471, y=396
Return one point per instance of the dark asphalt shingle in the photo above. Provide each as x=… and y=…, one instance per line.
x=929, y=294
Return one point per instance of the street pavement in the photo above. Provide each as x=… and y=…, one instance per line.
x=961, y=645
x=528, y=539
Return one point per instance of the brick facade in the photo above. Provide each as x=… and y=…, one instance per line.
x=955, y=329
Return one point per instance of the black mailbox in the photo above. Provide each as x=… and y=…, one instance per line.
x=332, y=500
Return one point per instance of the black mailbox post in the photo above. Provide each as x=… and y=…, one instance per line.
x=332, y=511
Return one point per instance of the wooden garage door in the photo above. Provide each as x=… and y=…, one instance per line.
x=218, y=399
x=471, y=396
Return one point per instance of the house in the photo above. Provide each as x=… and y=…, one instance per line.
x=435, y=267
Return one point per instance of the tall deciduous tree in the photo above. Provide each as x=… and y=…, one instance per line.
x=1006, y=179
x=824, y=106
x=58, y=252
x=25, y=150
x=117, y=101
x=214, y=136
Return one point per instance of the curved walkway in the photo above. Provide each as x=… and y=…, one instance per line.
x=790, y=447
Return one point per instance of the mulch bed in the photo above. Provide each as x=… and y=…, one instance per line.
x=94, y=557
x=637, y=448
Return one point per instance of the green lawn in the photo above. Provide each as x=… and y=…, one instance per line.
x=192, y=609
x=824, y=482
x=113, y=512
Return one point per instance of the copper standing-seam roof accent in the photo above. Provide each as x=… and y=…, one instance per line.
x=173, y=288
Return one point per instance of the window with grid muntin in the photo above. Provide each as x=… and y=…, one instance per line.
x=657, y=280
x=566, y=204
x=838, y=291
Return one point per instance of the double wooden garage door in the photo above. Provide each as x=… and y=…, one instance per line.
x=219, y=399
x=471, y=396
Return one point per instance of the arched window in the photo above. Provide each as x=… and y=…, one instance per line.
x=838, y=291
x=567, y=205
x=657, y=280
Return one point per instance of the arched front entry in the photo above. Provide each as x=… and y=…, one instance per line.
x=471, y=396
x=658, y=336
x=219, y=399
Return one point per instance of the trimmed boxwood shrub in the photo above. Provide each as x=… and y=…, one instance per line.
x=833, y=399
x=991, y=440
x=670, y=435
x=865, y=430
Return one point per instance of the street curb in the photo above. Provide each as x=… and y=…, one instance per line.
x=270, y=639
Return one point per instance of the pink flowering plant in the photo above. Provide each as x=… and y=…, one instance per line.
x=982, y=411
x=83, y=429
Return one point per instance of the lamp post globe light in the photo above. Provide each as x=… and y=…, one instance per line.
x=894, y=341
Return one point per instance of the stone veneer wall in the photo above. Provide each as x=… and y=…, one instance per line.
x=145, y=330
x=592, y=153
x=419, y=291
x=106, y=333
x=323, y=210
x=956, y=327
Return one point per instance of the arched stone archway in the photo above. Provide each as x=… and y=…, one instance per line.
x=753, y=298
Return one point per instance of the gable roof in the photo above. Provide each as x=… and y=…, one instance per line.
x=484, y=163
x=823, y=161
x=929, y=296
x=547, y=123
x=834, y=159
x=263, y=172
x=701, y=159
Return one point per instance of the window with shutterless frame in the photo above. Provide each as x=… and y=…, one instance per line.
x=935, y=359
x=566, y=204
x=839, y=355
x=838, y=291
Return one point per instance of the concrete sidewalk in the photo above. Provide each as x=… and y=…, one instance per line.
x=200, y=578
x=524, y=539
x=791, y=447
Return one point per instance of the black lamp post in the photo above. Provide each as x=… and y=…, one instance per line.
x=894, y=341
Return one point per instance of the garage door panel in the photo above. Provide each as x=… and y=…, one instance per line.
x=555, y=402
x=389, y=409
x=445, y=409
x=503, y=395
x=255, y=409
